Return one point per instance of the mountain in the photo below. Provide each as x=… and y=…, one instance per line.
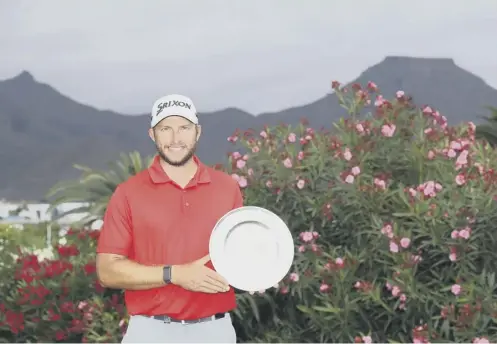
x=43, y=132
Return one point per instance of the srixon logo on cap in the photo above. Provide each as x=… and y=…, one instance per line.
x=170, y=103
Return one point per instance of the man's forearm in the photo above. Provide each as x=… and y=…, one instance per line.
x=126, y=274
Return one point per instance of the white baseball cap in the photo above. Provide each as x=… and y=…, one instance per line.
x=173, y=105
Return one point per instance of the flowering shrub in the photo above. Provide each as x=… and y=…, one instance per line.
x=393, y=214
x=55, y=297
x=395, y=217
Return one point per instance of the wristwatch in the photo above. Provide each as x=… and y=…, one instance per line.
x=166, y=274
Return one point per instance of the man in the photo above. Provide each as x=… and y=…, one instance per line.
x=154, y=242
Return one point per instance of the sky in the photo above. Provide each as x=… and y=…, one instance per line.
x=257, y=55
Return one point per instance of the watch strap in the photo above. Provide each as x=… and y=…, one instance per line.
x=166, y=274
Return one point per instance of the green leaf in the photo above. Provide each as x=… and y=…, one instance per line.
x=326, y=309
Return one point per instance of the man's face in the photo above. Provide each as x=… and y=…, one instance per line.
x=176, y=139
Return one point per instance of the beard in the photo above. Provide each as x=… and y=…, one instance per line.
x=180, y=162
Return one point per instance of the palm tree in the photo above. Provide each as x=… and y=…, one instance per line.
x=488, y=131
x=94, y=188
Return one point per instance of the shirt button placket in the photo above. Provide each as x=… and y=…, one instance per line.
x=185, y=202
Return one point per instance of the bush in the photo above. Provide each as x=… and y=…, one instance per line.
x=32, y=235
x=395, y=213
x=56, y=297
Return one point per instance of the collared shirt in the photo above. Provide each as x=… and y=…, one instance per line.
x=153, y=221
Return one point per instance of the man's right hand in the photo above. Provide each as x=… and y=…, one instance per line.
x=196, y=276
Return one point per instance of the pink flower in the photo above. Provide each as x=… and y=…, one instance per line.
x=471, y=126
x=430, y=188
x=412, y=192
x=416, y=258
x=240, y=163
x=250, y=172
x=88, y=316
x=339, y=262
x=294, y=277
x=347, y=155
x=380, y=183
x=480, y=167
x=300, y=156
x=301, y=183
x=455, y=145
x=269, y=183
x=465, y=233
x=451, y=153
x=388, y=130
x=460, y=179
x=453, y=257
x=324, y=287
x=263, y=134
x=236, y=155
x=395, y=291
x=394, y=247
x=462, y=159
x=387, y=230
x=356, y=170
x=372, y=86
x=403, y=298
x=481, y=340
x=431, y=155
x=379, y=101
x=242, y=182
x=306, y=236
x=399, y=94
x=287, y=163
x=427, y=110
x=405, y=242
x=301, y=248
x=367, y=339
x=349, y=179
x=454, y=234
x=360, y=128
x=456, y=289
x=255, y=149
x=292, y=137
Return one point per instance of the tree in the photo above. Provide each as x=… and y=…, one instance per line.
x=94, y=188
x=488, y=131
x=18, y=210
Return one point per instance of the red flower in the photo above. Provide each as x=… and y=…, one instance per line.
x=90, y=268
x=52, y=316
x=67, y=251
x=67, y=307
x=60, y=335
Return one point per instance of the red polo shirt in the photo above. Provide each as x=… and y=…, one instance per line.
x=153, y=221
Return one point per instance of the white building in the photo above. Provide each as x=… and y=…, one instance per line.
x=39, y=212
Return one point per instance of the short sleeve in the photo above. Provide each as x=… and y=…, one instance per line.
x=116, y=234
